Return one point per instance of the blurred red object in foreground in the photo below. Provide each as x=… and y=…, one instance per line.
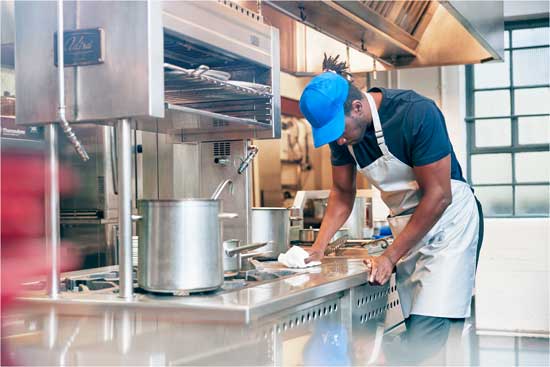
x=22, y=216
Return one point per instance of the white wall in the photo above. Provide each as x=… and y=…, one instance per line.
x=525, y=9
x=513, y=280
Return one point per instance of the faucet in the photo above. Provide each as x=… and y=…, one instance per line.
x=244, y=163
x=220, y=188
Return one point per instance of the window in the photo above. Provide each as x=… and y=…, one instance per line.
x=508, y=122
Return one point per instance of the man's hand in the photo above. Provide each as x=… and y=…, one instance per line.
x=315, y=254
x=380, y=269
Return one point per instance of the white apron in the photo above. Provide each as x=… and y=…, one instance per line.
x=436, y=277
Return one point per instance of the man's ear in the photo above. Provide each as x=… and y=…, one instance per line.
x=357, y=106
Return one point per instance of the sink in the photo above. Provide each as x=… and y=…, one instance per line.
x=262, y=276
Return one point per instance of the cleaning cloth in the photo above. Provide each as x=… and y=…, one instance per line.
x=295, y=258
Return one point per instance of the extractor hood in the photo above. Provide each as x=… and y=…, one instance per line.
x=402, y=34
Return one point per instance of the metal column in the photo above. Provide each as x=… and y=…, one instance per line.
x=52, y=209
x=125, y=208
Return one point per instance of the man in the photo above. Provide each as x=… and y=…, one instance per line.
x=399, y=141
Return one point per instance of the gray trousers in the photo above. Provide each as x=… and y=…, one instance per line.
x=425, y=336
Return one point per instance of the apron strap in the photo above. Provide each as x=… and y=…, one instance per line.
x=350, y=148
x=377, y=126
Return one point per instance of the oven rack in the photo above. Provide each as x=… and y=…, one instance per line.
x=189, y=88
x=190, y=82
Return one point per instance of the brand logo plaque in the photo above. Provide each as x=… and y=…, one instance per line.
x=82, y=47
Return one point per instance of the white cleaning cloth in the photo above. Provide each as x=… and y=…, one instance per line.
x=295, y=258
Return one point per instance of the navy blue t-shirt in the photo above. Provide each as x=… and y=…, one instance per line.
x=414, y=131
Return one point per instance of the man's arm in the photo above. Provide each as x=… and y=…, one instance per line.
x=340, y=205
x=434, y=180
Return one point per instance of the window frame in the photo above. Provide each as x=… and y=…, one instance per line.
x=515, y=147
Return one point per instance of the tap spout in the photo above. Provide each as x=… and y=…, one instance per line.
x=220, y=188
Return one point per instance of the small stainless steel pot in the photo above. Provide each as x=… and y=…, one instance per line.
x=319, y=208
x=357, y=218
x=308, y=235
x=271, y=225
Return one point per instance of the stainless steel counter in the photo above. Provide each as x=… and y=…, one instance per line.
x=322, y=315
x=252, y=302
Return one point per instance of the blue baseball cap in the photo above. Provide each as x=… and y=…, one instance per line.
x=322, y=103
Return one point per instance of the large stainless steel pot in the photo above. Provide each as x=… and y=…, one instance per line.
x=180, y=248
x=271, y=224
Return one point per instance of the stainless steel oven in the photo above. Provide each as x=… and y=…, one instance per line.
x=199, y=72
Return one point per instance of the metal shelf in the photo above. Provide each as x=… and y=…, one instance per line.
x=196, y=87
x=190, y=88
x=185, y=124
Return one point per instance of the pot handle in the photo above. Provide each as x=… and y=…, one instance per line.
x=228, y=215
x=252, y=255
x=251, y=246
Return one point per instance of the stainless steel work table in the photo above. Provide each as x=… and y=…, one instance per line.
x=318, y=313
x=252, y=302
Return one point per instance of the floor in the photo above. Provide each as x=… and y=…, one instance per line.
x=465, y=347
x=512, y=351
x=87, y=340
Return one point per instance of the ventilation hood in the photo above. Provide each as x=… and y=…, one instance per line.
x=402, y=34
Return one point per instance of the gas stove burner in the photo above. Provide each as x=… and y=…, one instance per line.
x=227, y=285
x=230, y=274
x=265, y=258
x=139, y=290
x=92, y=282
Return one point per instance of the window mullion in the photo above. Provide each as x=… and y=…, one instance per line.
x=523, y=24
x=470, y=111
x=518, y=149
x=527, y=47
x=513, y=121
x=497, y=191
x=510, y=88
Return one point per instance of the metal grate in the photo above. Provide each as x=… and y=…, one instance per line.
x=82, y=214
x=379, y=309
x=371, y=302
x=371, y=297
x=194, y=87
x=220, y=123
x=308, y=316
x=101, y=189
x=240, y=9
x=187, y=88
x=221, y=149
x=380, y=7
x=407, y=15
x=186, y=54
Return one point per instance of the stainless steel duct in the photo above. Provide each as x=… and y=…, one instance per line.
x=403, y=34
